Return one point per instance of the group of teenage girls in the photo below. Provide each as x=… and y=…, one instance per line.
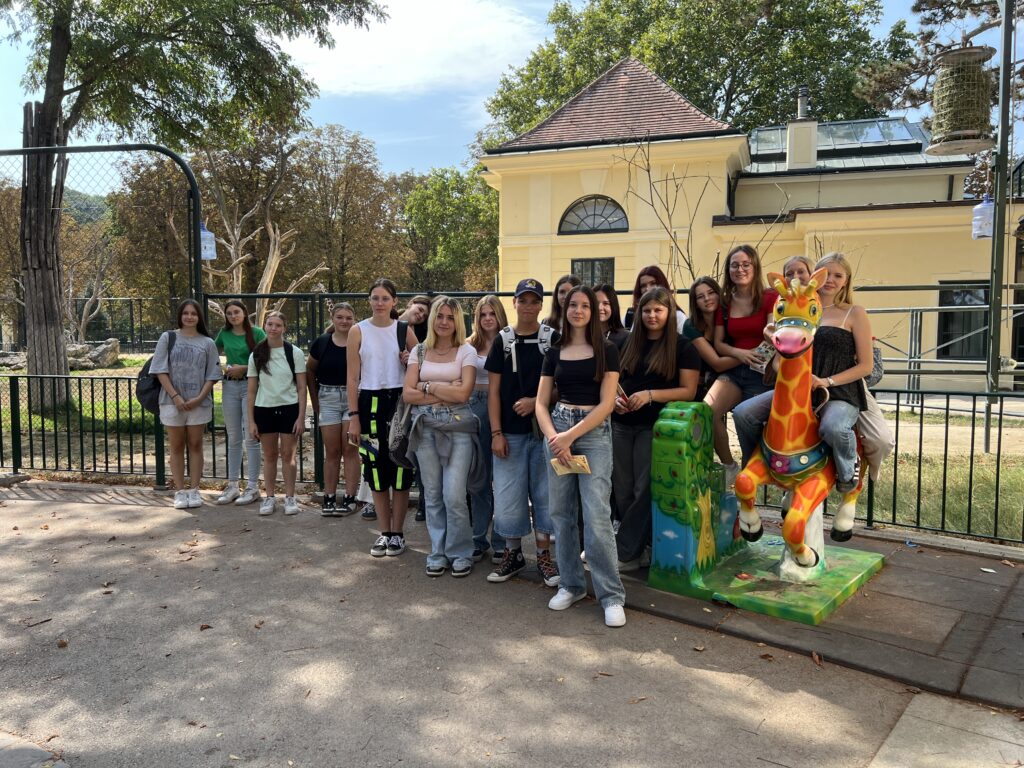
x=532, y=426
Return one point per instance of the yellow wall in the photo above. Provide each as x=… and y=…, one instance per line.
x=887, y=246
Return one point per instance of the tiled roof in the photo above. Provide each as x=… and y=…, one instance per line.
x=626, y=103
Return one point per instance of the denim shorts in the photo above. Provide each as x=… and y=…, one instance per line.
x=333, y=405
x=750, y=382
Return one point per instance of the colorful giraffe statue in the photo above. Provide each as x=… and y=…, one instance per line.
x=792, y=454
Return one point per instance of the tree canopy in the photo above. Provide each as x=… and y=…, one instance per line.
x=738, y=60
x=173, y=70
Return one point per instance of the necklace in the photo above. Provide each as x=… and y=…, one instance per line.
x=828, y=306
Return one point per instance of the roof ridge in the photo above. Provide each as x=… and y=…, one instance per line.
x=603, y=111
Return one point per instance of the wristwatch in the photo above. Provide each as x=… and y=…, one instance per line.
x=831, y=381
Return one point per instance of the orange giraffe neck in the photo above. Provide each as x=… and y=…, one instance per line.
x=793, y=425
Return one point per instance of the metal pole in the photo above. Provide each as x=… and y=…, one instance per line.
x=995, y=295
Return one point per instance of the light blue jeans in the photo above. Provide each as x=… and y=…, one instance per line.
x=520, y=479
x=444, y=487
x=235, y=406
x=595, y=492
x=836, y=428
x=482, y=504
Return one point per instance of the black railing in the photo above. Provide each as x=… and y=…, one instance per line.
x=938, y=479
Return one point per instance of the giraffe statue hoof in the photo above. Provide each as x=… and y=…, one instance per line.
x=814, y=559
x=752, y=535
x=838, y=535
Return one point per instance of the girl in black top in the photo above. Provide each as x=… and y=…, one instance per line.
x=658, y=366
x=608, y=312
x=585, y=369
x=558, y=295
x=326, y=378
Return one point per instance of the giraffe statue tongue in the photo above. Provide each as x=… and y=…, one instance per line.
x=790, y=342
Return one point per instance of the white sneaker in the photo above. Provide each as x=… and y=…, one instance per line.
x=614, y=616
x=229, y=494
x=181, y=499
x=291, y=506
x=268, y=506
x=248, y=496
x=563, y=599
x=194, y=499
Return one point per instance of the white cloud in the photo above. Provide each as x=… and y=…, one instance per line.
x=423, y=46
x=668, y=533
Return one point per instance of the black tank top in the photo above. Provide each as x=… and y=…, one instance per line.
x=835, y=350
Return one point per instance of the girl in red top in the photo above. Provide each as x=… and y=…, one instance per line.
x=746, y=308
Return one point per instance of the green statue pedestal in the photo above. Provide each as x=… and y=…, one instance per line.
x=697, y=549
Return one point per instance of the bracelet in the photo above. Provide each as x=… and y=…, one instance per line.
x=831, y=381
x=176, y=395
x=650, y=397
x=353, y=413
x=426, y=388
x=496, y=433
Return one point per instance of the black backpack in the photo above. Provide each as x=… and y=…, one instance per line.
x=147, y=385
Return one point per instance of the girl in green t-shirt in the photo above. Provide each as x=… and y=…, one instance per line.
x=236, y=341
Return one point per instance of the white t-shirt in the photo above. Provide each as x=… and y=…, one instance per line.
x=277, y=385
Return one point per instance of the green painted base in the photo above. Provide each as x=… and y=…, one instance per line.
x=749, y=579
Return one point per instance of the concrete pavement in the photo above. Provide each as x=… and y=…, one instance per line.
x=317, y=654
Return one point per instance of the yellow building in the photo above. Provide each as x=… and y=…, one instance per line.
x=598, y=187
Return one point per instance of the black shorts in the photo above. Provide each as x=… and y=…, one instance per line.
x=278, y=418
x=376, y=407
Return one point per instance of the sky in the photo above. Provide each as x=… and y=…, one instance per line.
x=415, y=85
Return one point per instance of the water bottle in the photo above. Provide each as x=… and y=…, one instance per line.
x=208, y=243
x=981, y=220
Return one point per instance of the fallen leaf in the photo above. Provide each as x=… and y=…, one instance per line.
x=988, y=570
x=767, y=657
x=698, y=647
x=638, y=699
x=163, y=606
x=14, y=528
x=761, y=645
x=109, y=583
x=258, y=624
x=112, y=538
x=817, y=659
x=44, y=527
x=192, y=722
x=234, y=757
x=605, y=674
x=107, y=592
x=1007, y=562
x=912, y=689
x=62, y=643
x=204, y=626
x=307, y=693
x=706, y=610
x=560, y=680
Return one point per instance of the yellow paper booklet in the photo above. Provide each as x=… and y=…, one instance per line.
x=578, y=465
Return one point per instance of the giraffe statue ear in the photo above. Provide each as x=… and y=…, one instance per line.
x=777, y=281
x=818, y=278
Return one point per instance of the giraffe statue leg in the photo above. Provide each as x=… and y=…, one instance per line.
x=842, y=523
x=755, y=473
x=806, y=497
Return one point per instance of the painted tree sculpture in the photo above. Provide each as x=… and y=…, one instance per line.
x=792, y=454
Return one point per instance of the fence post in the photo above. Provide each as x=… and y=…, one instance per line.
x=161, y=469
x=870, y=522
x=15, y=401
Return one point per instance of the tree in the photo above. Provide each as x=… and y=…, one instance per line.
x=738, y=60
x=943, y=26
x=452, y=219
x=348, y=208
x=168, y=70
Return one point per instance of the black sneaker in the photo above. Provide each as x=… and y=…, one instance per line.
x=435, y=570
x=328, y=505
x=396, y=545
x=463, y=570
x=369, y=511
x=512, y=562
x=421, y=515
x=548, y=569
x=346, y=507
x=479, y=554
x=380, y=547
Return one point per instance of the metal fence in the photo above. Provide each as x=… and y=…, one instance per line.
x=939, y=478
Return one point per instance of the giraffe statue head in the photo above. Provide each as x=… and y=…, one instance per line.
x=796, y=314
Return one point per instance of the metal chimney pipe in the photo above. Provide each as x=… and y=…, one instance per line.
x=801, y=102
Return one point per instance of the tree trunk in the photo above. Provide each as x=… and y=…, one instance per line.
x=41, y=201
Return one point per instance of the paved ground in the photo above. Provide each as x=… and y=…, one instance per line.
x=317, y=654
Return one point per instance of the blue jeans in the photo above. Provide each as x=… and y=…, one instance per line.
x=235, y=405
x=836, y=428
x=595, y=491
x=482, y=504
x=444, y=488
x=519, y=480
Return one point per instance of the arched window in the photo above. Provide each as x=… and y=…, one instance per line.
x=595, y=213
